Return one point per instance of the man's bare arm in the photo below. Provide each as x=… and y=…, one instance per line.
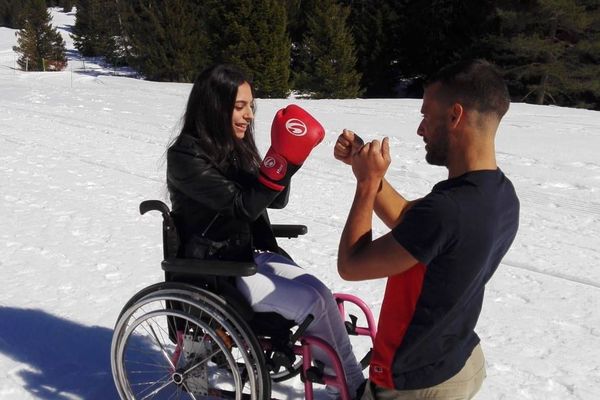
x=390, y=205
x=359, y=257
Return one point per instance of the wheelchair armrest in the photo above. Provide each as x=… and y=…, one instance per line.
x=154, y=205
x=194, y=266
x=289, y=231
x=170, y=236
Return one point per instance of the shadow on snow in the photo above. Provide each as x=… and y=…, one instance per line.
x=61, y=358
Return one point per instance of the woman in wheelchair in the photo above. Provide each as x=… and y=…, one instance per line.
x=220, y=190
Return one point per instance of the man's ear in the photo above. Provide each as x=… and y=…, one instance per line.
x=457, y=113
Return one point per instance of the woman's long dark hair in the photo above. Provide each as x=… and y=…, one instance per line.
x=208, y=118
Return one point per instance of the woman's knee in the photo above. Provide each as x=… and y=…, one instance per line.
x=318, y=285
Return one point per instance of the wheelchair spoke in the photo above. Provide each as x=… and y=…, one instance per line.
x=190, y=393
x=199, y=363
x=186, y=346
x=145, y=364
x=155, y=391
x=146, y=386
x=162, y=349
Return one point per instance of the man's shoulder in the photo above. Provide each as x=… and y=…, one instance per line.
x=476, y=186
x=436, y=202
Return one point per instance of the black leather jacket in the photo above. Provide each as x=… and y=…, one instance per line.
x=219, y=212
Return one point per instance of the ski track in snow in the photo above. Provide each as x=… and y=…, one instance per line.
x=79, y=152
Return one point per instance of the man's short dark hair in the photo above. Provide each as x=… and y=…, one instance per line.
x=475, y=84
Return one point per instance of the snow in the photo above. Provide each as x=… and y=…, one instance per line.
x=80, y=150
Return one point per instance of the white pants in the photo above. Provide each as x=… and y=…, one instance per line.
x=281, y=286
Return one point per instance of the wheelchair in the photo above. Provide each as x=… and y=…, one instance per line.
x=193, y=336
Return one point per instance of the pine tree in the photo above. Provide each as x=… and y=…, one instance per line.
x=97, y=31
x=41, y=46
x=297, y=12
x=11, y=12
x=587, y=52
x=89, y=32
x=435, y=33
x=375, y=27
x=252, y=34
x=166, y=38
x=327, y=57
x=549, y=49
x=67, y=5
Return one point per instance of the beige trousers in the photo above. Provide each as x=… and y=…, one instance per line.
x=462, y=386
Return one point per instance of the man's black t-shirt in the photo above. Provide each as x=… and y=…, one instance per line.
x=459, y=233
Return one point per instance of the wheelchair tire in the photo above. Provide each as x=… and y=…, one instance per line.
x=175, y=340
x=284, y=374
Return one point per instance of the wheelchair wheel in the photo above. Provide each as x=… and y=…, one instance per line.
x=176, y=341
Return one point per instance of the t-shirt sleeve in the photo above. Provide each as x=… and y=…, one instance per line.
x=428, y=227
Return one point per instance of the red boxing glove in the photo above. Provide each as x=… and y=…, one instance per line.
x=294, y=134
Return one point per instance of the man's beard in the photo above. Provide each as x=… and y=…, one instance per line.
x=437, y=153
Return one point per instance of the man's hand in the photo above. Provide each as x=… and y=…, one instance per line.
x=370, y=163
x=347, y=144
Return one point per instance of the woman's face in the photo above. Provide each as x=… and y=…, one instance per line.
x=242, y=110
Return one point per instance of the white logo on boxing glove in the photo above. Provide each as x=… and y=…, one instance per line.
x=269, y=162
x=274, y=167
x=296, y=127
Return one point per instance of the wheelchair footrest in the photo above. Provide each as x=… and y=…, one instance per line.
x=280, y=359
x=351, y=325
x=366, y=360
x=315, y=373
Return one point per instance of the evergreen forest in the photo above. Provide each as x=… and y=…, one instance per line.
x=548, y=50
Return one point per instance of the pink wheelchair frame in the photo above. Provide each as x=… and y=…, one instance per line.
x=338, y=379
x=302, y=347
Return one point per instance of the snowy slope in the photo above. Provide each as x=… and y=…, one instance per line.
x=79, y=151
